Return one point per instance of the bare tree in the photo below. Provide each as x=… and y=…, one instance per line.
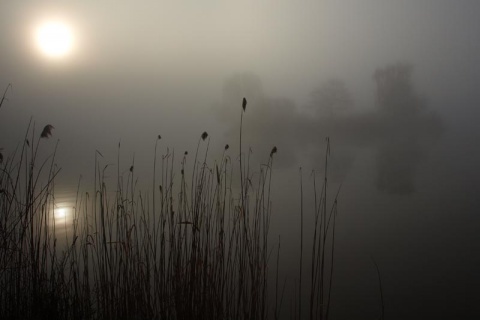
x=332, y=98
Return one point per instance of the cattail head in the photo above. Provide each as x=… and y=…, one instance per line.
x=274, y=150
x=204, y=135
x=159, y=137
x=1, y=157
x=131, y=168
x=227, y=146
x=185, y=153
x=244, y=104
x=47, y=131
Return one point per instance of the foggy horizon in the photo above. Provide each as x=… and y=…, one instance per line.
x=392, y=85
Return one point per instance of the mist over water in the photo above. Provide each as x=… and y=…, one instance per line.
x=393, y=86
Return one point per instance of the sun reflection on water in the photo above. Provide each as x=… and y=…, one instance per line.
x=63, y=212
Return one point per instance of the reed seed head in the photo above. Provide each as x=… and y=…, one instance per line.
x=204, y=135
x=244, y=104
x=274, y=150
x=47, y=131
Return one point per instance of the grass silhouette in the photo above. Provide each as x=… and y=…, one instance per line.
x=194, y=248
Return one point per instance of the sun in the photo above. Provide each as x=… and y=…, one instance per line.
x=60, y=213
x=54, y=39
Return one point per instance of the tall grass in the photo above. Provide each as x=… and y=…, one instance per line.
x=30, y=270
x=195, y=247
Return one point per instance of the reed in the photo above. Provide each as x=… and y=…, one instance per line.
x=196, y=246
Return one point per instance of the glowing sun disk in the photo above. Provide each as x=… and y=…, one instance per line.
x=54, y=39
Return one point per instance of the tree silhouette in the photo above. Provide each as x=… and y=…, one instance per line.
x=395, y=92
x=332, y=98
x=408, y=128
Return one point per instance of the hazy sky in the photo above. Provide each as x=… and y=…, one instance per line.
x=178, y=68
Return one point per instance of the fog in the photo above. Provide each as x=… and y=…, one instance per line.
x=393, y=85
